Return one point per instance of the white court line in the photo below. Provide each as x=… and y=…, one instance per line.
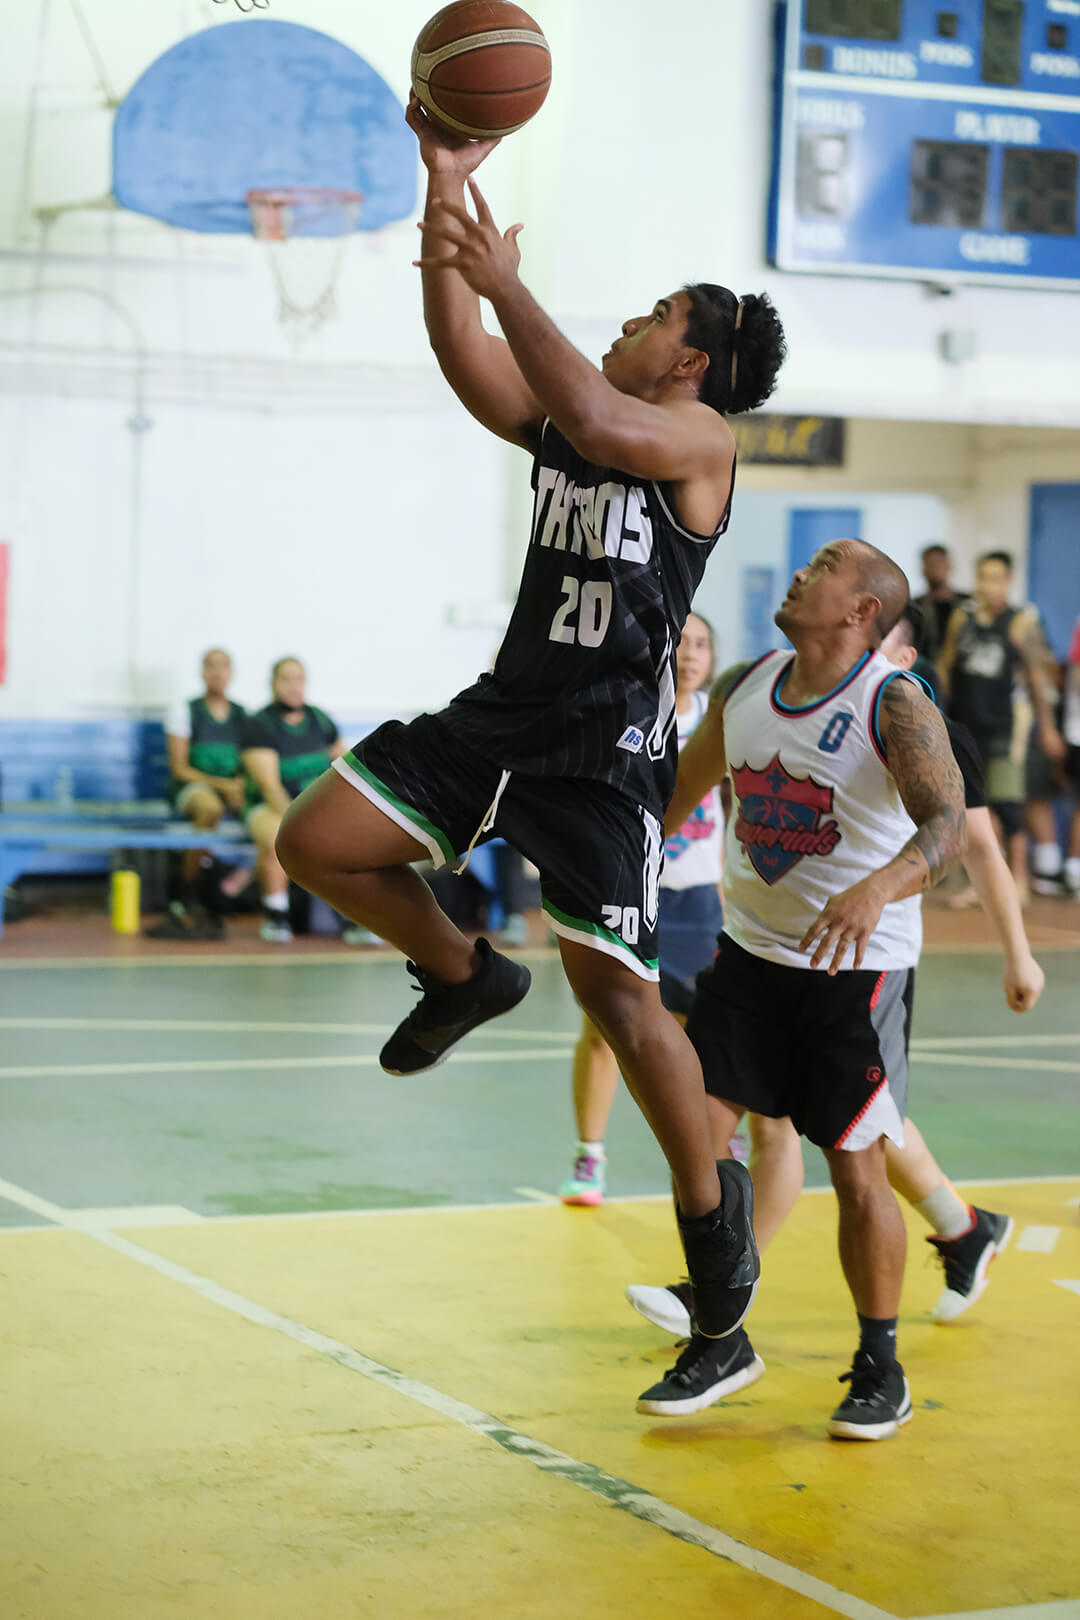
x=337, y=1060
x=1067, y=1609
x=1038, y=1239
x=276, y=959
x=940, y=1042
x=258, y=1026
x=984, y=1060
x=618, y=1493
x=531, y=1198
x=1071, y=1283
x=543, y=953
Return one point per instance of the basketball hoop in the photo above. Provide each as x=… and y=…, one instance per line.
x=307, y=230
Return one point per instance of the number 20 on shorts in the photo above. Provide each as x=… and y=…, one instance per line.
x=624, y=920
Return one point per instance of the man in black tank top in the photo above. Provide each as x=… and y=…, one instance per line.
x=568, y=748
x=991, y=652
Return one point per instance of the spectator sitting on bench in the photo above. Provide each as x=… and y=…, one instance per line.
x=205, y=783
x=284, y=748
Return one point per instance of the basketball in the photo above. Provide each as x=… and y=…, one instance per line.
x=481, y=68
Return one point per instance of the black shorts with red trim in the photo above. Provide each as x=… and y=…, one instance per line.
x=829, y=1052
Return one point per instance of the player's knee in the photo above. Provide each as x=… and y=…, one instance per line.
x=295, y=844
x=859, y=1178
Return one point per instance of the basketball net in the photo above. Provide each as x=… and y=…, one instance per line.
x=252, y=5
x=306, y=230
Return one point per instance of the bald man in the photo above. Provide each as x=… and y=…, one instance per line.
x=847, y=805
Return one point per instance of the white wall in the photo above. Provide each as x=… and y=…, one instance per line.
x=758, y=537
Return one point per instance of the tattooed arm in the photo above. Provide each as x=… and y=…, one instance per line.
x=702, y=763
x=928, y=779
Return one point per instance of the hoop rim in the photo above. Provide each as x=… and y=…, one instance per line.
x=282, y=196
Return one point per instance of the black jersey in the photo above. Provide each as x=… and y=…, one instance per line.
x=584, y=684
x=984, y=676
x=214, y=745
x=966, y=755
x=302, y=746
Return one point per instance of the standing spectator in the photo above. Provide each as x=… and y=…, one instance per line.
x=939, y=600
x=285, y=747
x=1072, y=758
x=990, y=649
x=1045, y=781
x=205, y=783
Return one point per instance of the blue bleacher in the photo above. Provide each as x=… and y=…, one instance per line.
x=114, y=761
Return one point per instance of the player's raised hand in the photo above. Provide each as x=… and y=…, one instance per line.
x=846, y=922
x=453, y=240
x=1024, y=981
x=442, y=152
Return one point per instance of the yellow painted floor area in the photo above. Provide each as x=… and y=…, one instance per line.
x=163, y=1457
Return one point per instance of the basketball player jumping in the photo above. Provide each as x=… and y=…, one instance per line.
x=848, y=803
x=568, y=748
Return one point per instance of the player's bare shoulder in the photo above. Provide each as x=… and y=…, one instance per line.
x=703, y=494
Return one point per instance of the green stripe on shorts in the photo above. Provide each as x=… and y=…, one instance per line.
x=600, y=932
x=408, y=810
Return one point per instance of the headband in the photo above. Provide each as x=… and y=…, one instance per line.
x=735, y=348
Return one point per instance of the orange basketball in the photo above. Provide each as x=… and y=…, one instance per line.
x=481, y=67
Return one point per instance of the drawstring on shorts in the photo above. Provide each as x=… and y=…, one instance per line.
x=486, y=825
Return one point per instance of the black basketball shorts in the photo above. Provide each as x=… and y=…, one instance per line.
x=599, y=854
x=829, y=1052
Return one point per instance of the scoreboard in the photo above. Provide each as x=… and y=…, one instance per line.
x=935, y=142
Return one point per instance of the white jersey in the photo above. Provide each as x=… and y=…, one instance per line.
x=815, y=810
x=694, y=856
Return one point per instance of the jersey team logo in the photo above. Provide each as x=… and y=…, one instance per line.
x=780, y=818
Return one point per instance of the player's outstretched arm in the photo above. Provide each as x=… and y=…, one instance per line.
x=703, y=762
x=672, y=442
x=928, y=779
x=993, y=883
x=478, y=366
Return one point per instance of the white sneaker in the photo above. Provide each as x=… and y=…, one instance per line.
x=276, y=933
x=668, y=1308
x=358, y=935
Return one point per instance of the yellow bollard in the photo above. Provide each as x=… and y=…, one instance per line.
x=125, y=902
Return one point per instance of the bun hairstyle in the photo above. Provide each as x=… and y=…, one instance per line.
x=745, y=343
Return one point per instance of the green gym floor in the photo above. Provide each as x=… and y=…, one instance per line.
x=282, y=1334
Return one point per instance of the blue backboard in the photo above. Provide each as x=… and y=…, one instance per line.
x=260, y=104
x=929, y=141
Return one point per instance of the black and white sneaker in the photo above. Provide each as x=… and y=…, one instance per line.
x=707, y=1370
x=967, y=1261
x=877, y=1403
x=670, y=1308
x=446, y=1013
x=721, y=1255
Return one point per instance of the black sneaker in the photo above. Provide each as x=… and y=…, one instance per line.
x=967, y=1261
x=670, y=1308
x=721, y=1255
x=707, y=1370
x=877, y=1403
x=446, y=1013
x=189, y=923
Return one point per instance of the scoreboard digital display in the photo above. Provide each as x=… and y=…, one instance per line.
x=936, y=142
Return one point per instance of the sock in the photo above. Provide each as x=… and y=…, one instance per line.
x=946, y=1211
x=595, y=1150
x=1046, y=860
x=878, y=1336
x=275, y=902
